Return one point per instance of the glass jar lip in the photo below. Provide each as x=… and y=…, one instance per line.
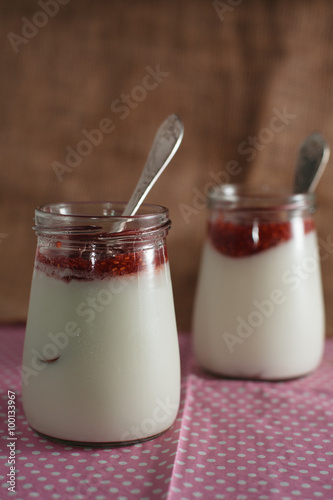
x=99, y=217
x=265, y=198
x=146, y=210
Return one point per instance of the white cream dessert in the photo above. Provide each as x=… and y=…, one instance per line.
x=259, y=314
x=101, y=356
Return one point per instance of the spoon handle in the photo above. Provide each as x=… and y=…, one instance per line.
x=165, y=145
x=313, y=157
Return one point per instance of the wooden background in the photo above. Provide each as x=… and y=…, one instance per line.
x=227, y=68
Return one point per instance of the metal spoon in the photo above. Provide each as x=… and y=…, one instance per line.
x=166, y=142
x=311, y=163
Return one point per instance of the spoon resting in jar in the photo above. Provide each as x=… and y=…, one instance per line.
x=311, y=163
x=166, y=142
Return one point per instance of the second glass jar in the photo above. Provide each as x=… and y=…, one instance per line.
x=259, y=310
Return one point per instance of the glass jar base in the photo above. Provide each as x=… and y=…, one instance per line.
x=102, y=444
x=258, y=377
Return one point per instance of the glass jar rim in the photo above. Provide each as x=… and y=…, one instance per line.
x=262, y=198
x=99, y=217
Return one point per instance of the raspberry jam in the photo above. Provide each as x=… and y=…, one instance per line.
x=259, y=310
x=101, y=354
x=241, y=240
x=76, y=265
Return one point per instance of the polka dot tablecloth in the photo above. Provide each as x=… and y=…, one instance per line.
x=232, y=440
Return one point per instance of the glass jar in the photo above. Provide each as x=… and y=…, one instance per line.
x=101, y=356
x=259, y=309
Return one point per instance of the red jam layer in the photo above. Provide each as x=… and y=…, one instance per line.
x=89, y=267
x=241, y=240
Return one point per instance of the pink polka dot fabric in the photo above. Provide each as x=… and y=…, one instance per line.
x=233, y=439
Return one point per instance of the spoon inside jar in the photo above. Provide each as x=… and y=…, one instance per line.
x=311, y=163
x=166, y=142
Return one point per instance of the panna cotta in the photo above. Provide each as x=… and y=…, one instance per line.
x=259, y=304
x=101, y=355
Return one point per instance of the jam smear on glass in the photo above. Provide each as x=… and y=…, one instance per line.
x=241, y=240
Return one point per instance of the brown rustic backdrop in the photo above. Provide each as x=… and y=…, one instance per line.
x=226, y=67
